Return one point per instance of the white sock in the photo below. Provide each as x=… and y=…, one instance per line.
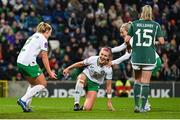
x=78, y=92
x=29, y=94
x=30, y=99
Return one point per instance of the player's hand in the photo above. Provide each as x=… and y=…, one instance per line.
x=66, y=72
x=110, y=64
x=110, y=106
x=52, y=75
x=128, y=48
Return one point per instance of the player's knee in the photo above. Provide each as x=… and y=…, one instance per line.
x=80, y=82
x=81, y=76
x=44, y=83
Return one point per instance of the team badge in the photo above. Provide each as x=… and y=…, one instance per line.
x=46, y=45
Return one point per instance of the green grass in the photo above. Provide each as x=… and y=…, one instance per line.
x=62, y=108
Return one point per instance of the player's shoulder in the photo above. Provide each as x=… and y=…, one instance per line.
x=93, y=58
x=39, y=36
x=154, y=22
x=137, y=21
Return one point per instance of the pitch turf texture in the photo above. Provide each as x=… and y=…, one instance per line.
x=62, y=108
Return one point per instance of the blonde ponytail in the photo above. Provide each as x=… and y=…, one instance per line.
x=146, y=13
x=43, y=27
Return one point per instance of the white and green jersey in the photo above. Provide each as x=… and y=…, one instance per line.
x=31, y=49
x=95, y=72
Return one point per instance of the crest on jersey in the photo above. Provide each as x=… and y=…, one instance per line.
x=46, y=45
x=103, y=72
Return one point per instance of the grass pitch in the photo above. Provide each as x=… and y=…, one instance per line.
x=62, y=108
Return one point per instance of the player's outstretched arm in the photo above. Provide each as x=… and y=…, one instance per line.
x=119, y=60
x=75, y=65
x=119, y=48
x=109, y=95
x=45, y=60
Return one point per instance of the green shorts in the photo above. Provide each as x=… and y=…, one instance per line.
x=91, y=86
x=30, y=71
x=158, y=66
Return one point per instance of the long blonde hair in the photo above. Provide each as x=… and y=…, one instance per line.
x=146, y=13
x=43, y=27
x=126, y=26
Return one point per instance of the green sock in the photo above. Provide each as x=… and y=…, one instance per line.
x=144, y=94
x=137, y=89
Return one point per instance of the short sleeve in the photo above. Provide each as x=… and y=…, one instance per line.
x=88, y=61
x=130, y=31
x=44, y=45
x=109, y=74
x=159, y=32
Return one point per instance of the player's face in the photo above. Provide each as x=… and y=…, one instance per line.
x=123, y=33
x=104, y=57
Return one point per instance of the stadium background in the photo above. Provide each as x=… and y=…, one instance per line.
x=80, y=29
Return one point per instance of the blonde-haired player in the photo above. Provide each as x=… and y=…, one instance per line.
x=143, y=57
x=123, y=32
x=94, y=74
x=35, y=45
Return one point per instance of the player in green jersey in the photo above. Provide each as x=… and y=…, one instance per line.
x=144, y=32
x=123, y=32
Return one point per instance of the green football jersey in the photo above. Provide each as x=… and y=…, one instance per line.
x=144, y=33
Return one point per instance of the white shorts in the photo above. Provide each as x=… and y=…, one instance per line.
x=143, y=67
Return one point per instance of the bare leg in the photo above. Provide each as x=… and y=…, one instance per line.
x=90, y=100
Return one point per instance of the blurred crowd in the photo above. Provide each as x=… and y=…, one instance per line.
x=81, y=28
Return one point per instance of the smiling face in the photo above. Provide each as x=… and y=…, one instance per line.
x=104, y=56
